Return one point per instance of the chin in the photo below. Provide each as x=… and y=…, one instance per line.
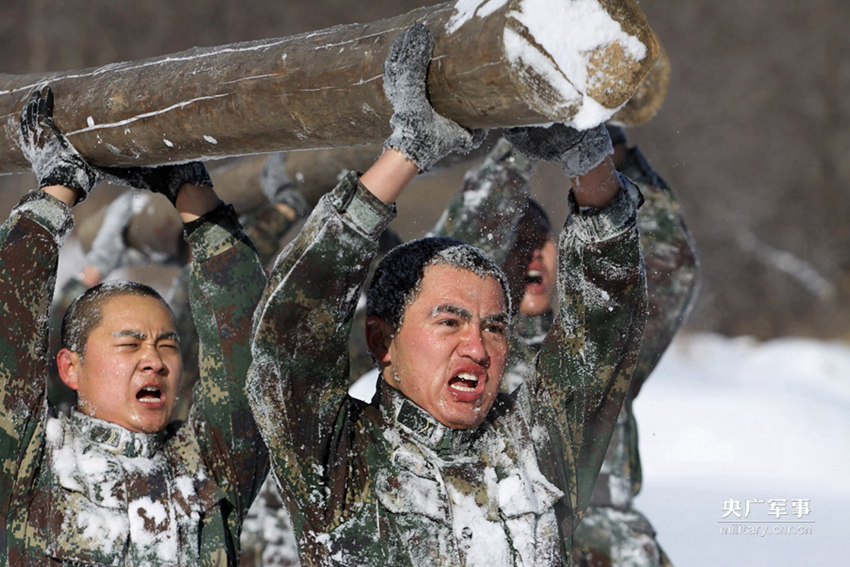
x=149, y=426
x=534, y=308
x=463, y=421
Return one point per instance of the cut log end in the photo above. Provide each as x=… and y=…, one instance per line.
x=583, y=71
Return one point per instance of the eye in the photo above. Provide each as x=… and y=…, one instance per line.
x=496, y=328
x=448, y=322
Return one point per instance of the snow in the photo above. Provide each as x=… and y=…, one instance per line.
x=725, y=421
x=467, y=9
x=558, y=48
x=568, y=41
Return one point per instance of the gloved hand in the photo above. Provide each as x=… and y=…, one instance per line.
x=578, y=151
x=418, y=132
x=164, y=179
x=54, y=160
x=617, y=133
x=278, y=187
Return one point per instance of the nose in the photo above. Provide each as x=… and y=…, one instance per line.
x=473, y=347
x=151, y=360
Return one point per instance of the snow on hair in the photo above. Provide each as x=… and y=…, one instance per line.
x=397, y=278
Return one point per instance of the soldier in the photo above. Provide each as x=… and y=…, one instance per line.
x=494, y=211
x=439, y=469
x=140, y=228
x=117, y=481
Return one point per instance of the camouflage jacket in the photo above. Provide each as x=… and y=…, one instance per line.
x=485, y=213
x=78, y=490
x=384, y=483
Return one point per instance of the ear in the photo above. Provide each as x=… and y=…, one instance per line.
x=67, y=363
x=379, y=335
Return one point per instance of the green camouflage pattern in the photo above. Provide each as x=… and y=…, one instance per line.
x=382, y=483
x=78, y=490
x=488, y=209
x=267, y=228
x=672, y=281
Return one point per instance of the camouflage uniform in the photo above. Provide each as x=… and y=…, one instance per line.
x=485, y=213
x=81, y=490
x=386, y=484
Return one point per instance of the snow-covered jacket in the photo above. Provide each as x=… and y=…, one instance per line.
x=79, y=490
x=384, y=483
x=486, y=212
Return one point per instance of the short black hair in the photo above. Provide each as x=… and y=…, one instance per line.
x=398, y=276
x=86, y=311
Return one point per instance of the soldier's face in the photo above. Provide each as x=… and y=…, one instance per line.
x=449, y=353
x=539, y=280
x=131, y=369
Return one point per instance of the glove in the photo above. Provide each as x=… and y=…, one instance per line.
x=165, y=179
x=278, y=187
x=418, y=132
x=578, y=151
x=617, y=133
x=52, y=157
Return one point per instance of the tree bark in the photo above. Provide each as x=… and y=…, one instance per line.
x=324, y=89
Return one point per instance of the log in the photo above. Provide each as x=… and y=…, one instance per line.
x=650, y=93
x=497, y=63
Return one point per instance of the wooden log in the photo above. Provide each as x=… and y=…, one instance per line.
x=647, y=98
x=496, y=63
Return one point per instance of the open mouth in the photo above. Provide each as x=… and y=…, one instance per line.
x=467, y=387
x=149, y=395
x=464, y=382
x=533, y=277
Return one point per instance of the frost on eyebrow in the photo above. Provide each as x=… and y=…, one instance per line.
x=130, y=333
x=451, y=309
x=142, y=336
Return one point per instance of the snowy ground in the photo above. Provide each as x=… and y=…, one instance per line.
x=727, y=422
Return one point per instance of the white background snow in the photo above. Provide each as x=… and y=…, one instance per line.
x=725, y=420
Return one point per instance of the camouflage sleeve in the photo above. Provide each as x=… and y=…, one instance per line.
x=585, y=363
x=299, y=377
x=672, y=274
x=225, y=285
x=485, y=212
x=672, y=270
x=29, y=250
x=267, y=227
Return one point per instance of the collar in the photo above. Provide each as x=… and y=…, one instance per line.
x=416, y=423
x=116, y=439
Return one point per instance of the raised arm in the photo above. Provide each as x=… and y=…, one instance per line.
x=672, y=266
x=225, y=285
x=299, y=377
x=491, y=201
x=227, y=279
x=29, y=248
x=586, y=361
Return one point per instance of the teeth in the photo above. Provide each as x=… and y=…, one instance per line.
x=465, y=377
x=149, y=394
x=534, y=273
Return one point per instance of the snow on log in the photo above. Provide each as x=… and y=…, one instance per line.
x=496, y=63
